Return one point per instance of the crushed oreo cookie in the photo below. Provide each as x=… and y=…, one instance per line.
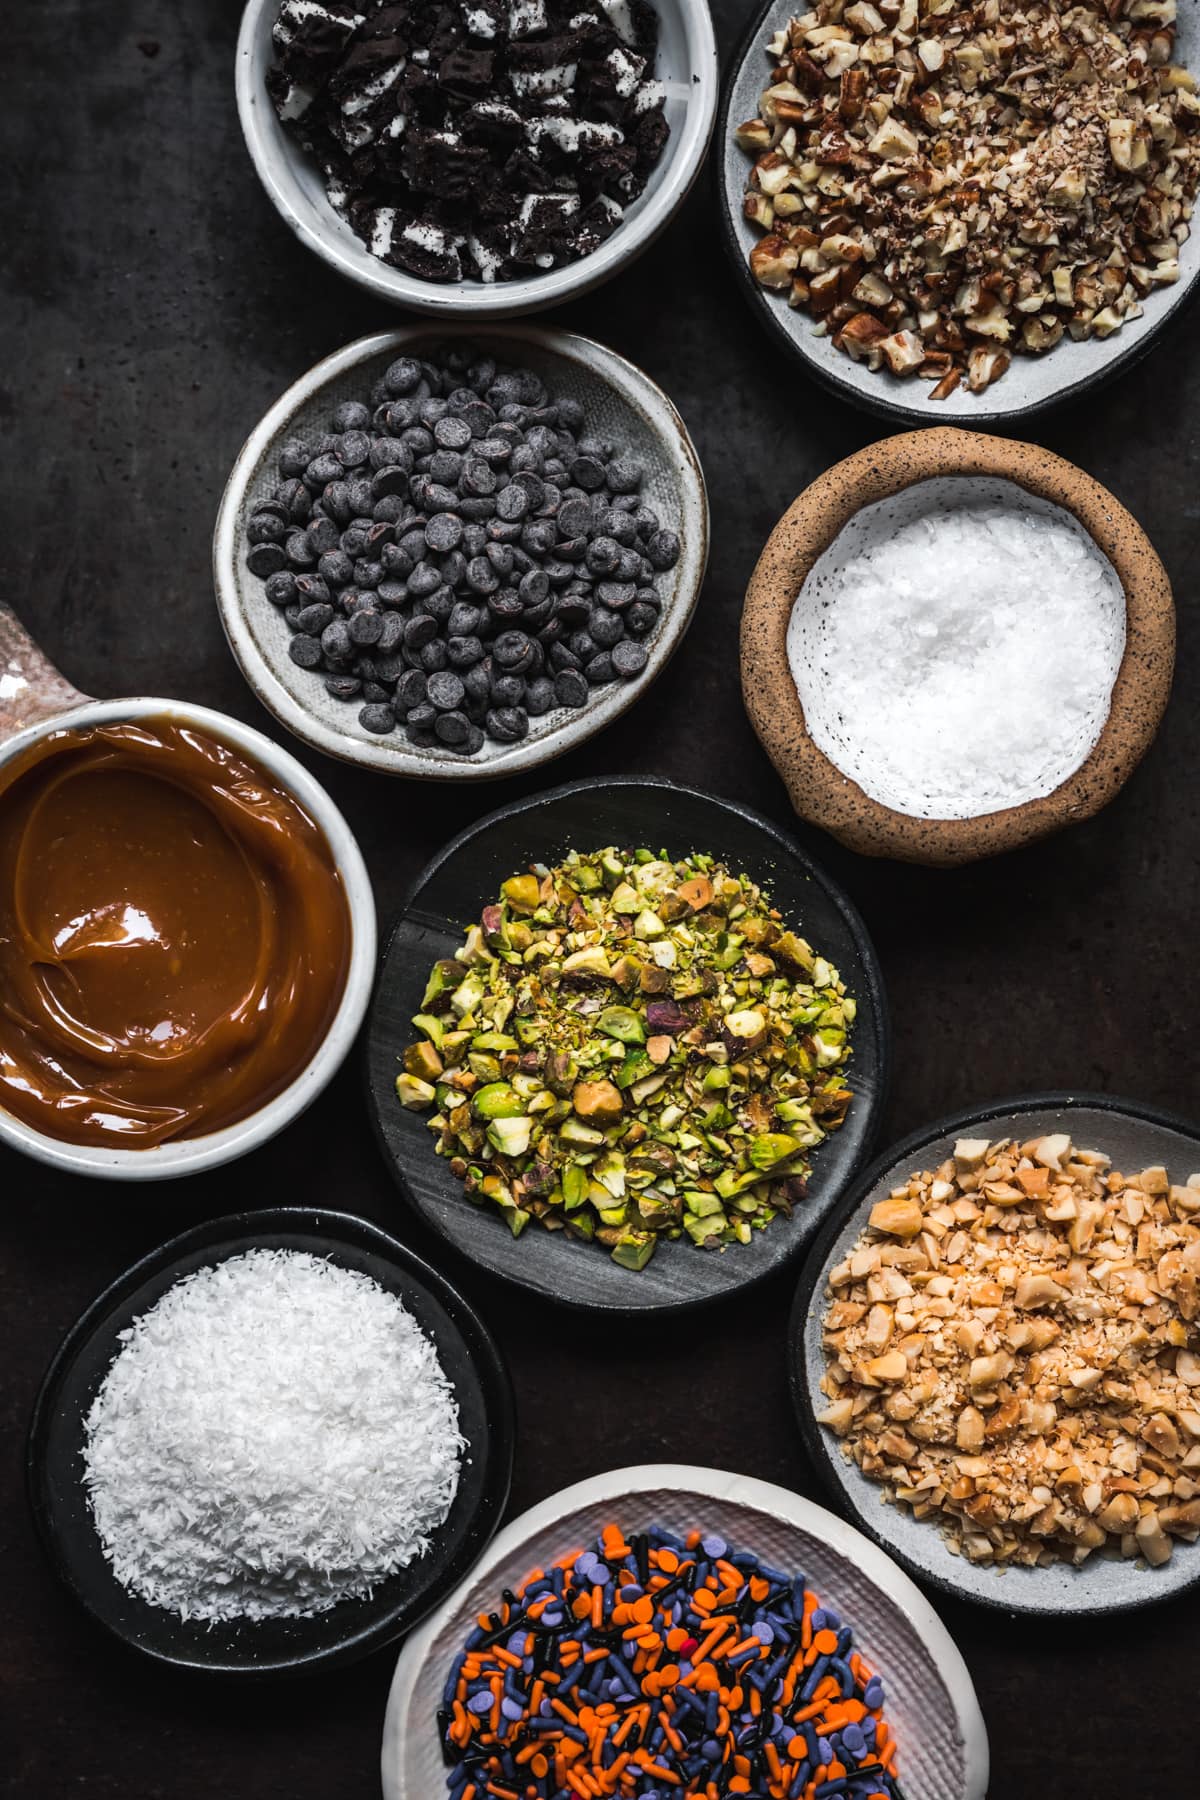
x=474, y=140
x=462, y=555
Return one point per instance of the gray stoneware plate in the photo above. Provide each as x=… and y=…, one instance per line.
x=942, y=1747
x=1031, y=384
x=1135, y=1137
x=270, y=1647
x=622, y=403
x=463, y=878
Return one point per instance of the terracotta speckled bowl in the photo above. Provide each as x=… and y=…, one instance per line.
x=819, y=791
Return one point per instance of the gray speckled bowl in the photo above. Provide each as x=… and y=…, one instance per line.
x=1031, y=384
x=621, y=402
x=1135, y=1137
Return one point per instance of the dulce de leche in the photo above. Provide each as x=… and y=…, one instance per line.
x=174, y=935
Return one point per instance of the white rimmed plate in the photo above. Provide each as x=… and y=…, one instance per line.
x=929, y=1698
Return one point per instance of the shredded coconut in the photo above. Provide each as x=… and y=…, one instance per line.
x=275, y=1435
x=962, y=662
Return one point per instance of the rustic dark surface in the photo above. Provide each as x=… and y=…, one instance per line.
x=154, y=306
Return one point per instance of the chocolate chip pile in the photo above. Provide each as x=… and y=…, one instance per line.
x=474, y=141
x=464, y=557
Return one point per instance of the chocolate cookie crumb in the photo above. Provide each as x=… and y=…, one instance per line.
x=476, y=141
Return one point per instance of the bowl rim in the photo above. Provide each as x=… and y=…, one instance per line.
x=817, y=1442
x=1118, y=361
x=818, y=789
x=188, y=1156
x=525, y=294
x=635, y=390
x=616, y=1485
x=484, y=1355
x=874, y=992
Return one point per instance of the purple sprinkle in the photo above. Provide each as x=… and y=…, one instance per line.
x=873, y=1694
x=480, y=1703
x=512, y=1709
x=762, y=1631
x=713, y=1546
x=826, y=1749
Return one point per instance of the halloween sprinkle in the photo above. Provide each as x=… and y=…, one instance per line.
x=660, y=1665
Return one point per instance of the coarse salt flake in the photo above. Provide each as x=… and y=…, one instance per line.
x=962, y=661
x=276, y=1434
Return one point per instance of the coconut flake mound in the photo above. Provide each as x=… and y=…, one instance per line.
x=963, y=661
x=276, y=1434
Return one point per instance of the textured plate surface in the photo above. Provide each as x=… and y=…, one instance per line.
x=1134, y=1137
x=622, y=404
x=468, y=1357
x=588, y=815
x=686, y=65
x=1031, y=384
x=942, y=1744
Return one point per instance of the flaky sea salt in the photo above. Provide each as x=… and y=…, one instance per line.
x=962, y=661
x=275, y=1435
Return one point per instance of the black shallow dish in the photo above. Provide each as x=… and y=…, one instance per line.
x=472, y=1364
x=1031, y=385
x=587, y=815
x=1135, y=1136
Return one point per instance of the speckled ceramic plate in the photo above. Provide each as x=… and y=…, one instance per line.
x=1031, y=384
x=588, y=815
x=1135, y=1137
x=275, y=1647
x=622, y=404
x=942, y=1749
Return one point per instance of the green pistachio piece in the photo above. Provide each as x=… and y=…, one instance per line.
x=574, y=1131
x=609, y=1171
x=522, y=893
x=648, y=925
x=574, y=1186
x=634, y=1249
x=702, y=1205
x=498, y=1041
x=433, y=1027
x=443, y=978
x=622, y=1023
x=414, y=1093
x=706, y=1230
x=511, y=1137
x=498, y=1100
x=468, y=994
x=591, y=961
x=772, y=1147
x=635, y=1066
x=423, y=1061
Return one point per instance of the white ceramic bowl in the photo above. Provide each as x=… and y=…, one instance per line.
x=929, y=1699
x=686, y=64
x=621, y=402
x=34, y=702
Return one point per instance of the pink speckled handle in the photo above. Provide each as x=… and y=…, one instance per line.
x=31, y=688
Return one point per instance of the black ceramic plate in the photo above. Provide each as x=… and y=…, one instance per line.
x=1135, y=1137
x=1031, y=384
x=587, y=815
x=468, y=1356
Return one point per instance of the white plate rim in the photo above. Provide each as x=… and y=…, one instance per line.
x=764, y=1496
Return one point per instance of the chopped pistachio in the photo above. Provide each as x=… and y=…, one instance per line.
x=685, y=1107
